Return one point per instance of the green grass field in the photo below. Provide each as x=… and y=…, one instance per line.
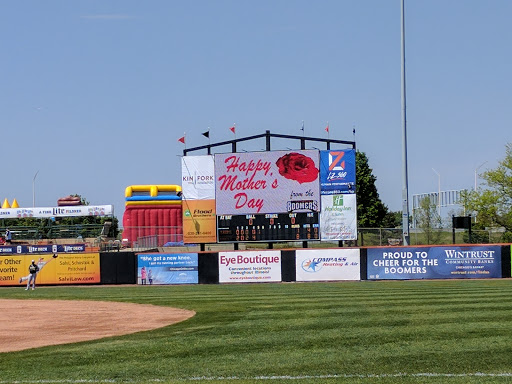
x=347, y=332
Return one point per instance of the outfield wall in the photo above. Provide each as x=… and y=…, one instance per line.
x=265, y=266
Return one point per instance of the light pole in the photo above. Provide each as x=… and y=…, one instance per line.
x=405, y=177
x=34, y=190
x=438, y=191
x=476, y=172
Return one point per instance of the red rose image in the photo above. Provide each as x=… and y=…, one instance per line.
x=298, y=167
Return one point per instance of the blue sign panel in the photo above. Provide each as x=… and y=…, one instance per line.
x=168, y=268
x=434, y=263
x=47, y=248
x=337, y=172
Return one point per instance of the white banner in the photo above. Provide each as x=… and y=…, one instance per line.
x=63, y=211
x=327, y=264
x=249, y=266
x=197, y=178
x=267, y=182
x=338, y=219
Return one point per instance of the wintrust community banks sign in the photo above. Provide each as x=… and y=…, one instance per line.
x=434, y=262
x=327, y=265
x=250, y=267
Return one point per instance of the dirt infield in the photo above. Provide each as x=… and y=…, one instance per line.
x=65, y=321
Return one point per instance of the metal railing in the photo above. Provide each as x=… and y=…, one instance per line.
x=144, y=237
x=77, y=231
x=153, y=237
x=366, y=237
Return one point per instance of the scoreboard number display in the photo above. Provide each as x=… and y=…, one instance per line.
x=296, y=226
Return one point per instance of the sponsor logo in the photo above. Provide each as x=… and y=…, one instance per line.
x=198, y=179
x=34, y=248
x=74, y=248
x=317, y=263
x=311, y=265
x=335, y=161
x=304, y=205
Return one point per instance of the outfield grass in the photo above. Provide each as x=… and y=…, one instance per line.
x=349, y=332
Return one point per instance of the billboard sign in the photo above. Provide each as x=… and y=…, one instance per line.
x=249, y=267
x=167, y=268
x=42, y=248
x=267, y=182
x=434, y=262
x=338, y=219
x=268, y=227
x=199, y=221
x=338, y=172
x=197, y=178
x=63, y=211
x=67, y=268
x=327, y=264
x=198, y=199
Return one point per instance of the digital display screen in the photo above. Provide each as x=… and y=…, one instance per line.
x=297, y=226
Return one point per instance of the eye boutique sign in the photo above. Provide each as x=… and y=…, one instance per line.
x=249, y=267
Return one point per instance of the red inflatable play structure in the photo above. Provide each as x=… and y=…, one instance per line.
x=152, y=216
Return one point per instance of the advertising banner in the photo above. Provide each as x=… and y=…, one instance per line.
x=46, y=248
x=338, y=219
x=67, y=268
x=249, y=266
x=267, y=182
x=199, y=221
x=167, y=268
x=338, y=172
x=327, y=264
x=198, y=199
x=197, y=178
x=434, y=262
x=47, y=212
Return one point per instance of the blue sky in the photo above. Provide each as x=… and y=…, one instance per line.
x=95, y=94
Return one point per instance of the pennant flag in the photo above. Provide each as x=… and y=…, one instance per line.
x=327, y=128
x=182, y=139
x=232, y=129
x=206, y=134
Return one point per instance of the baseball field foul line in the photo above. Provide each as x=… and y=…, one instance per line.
x=301, y=377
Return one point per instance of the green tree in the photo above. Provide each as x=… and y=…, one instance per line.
x=371, y=211
x=493, y=204
x=392, y=220
x=429, y=220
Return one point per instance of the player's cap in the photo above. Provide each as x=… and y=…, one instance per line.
x=33, y=261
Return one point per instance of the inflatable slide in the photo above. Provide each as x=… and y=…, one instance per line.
x=152, y=216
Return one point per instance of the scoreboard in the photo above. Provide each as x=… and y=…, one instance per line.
x=268, y=227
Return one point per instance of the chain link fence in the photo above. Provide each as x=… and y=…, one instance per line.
x=154, y=237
